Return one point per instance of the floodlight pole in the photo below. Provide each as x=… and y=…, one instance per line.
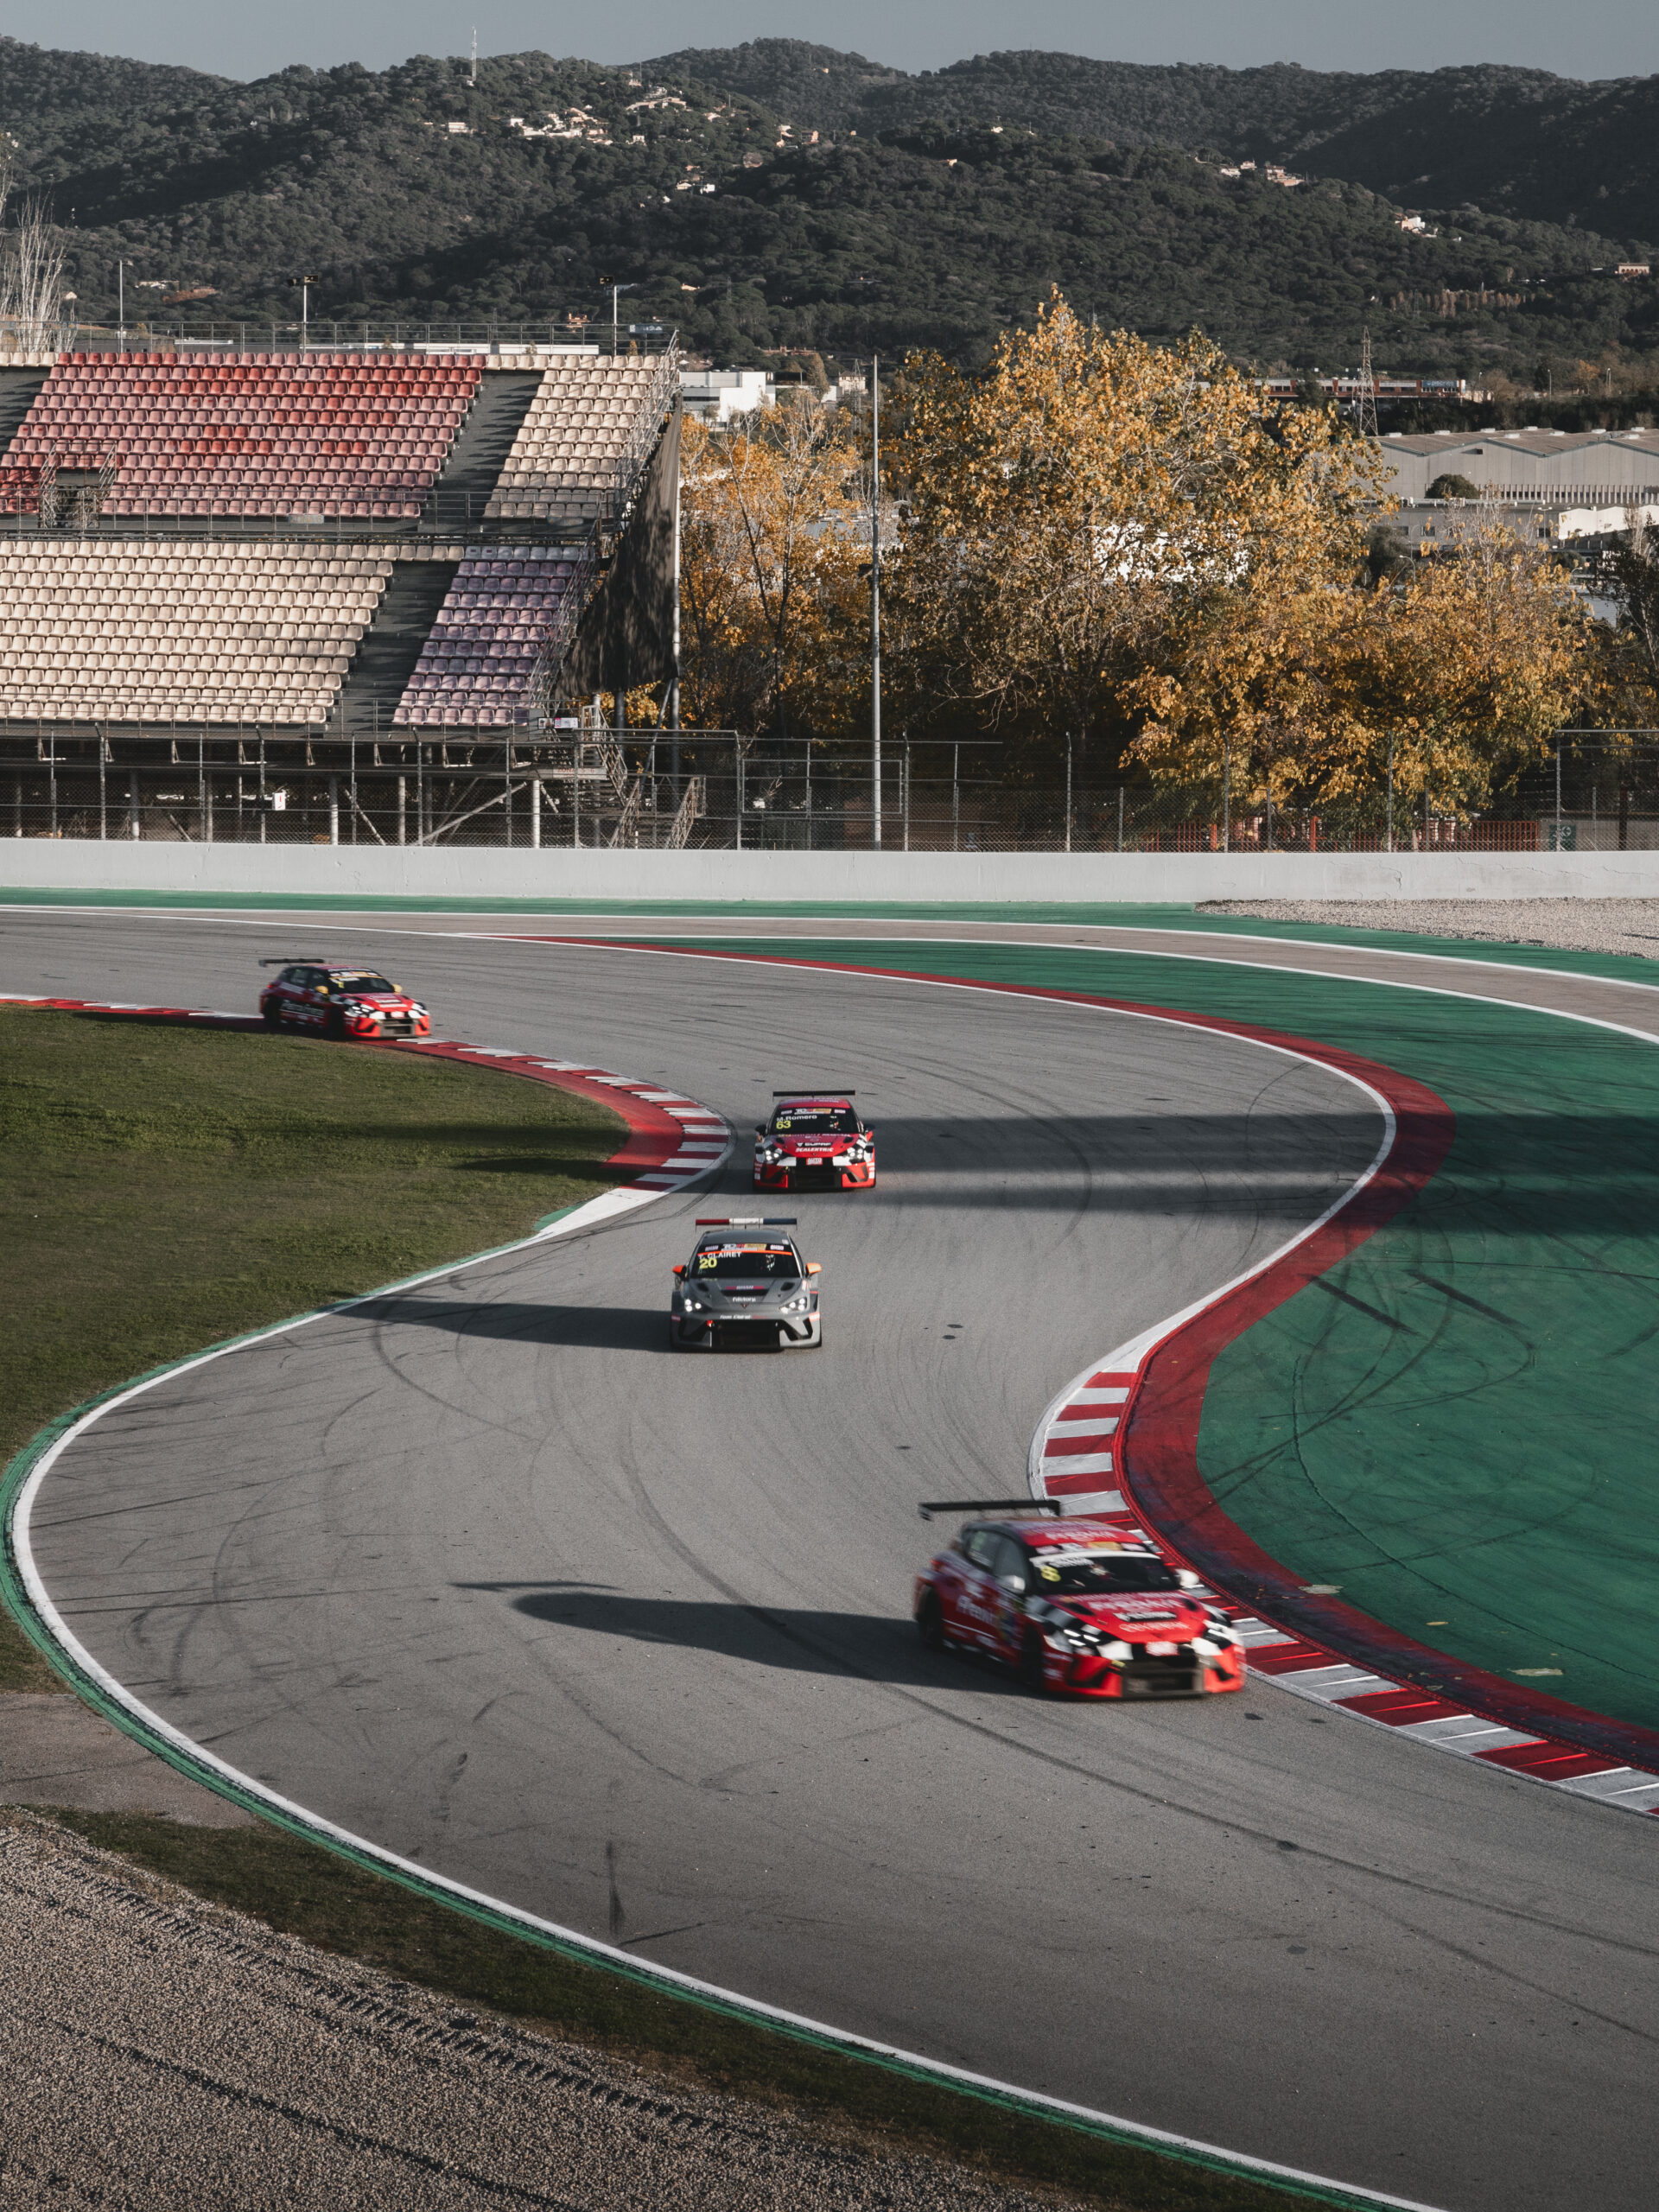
x=121, y=310
x=875, y=601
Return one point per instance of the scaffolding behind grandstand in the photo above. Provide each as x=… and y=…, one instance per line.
x=580, y=782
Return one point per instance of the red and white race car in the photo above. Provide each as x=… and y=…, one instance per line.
x=339, y=1002
x=814, y=1142
x=1073, y=1606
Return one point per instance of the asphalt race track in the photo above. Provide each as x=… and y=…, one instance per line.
x=485, y=1572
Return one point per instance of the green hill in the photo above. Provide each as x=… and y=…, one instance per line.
x=914, y=220
x=1515, y=142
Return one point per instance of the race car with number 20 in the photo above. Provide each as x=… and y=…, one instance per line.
x=1074, y=1607
x=745, y=1284
x=814, y=1140
x=339, y=1002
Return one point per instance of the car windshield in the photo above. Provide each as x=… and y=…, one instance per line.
x=1093, y=1574
x=752, y=1261
x=361, y=983
x=814, y=1120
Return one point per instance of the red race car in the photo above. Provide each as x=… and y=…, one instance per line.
x=814, y=1142
x=339, y=1002
x=1073, y=1606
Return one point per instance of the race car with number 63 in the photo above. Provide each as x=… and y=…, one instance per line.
x=1074, y=1606
x=814, y=1142
x=745, y=1284
x=339, y=1002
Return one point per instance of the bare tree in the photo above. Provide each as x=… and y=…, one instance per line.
x=31, y=277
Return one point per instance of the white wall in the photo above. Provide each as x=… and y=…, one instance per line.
x=321, y=871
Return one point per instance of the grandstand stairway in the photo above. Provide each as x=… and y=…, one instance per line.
x=487, y=437
x=17, y=391
x=386, y=660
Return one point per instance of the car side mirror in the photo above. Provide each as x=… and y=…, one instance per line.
x=759, y=1128
x=1015, y=1582
x=1185, y=1577
x=679, y=1271
x=814, y=1267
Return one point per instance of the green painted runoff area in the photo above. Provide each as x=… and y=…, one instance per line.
x=1464, y=1439
x=1622, y=968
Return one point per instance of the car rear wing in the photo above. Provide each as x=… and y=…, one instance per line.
x=805, y=1092
x=745, y=1221
x=300, y=960
x=1053, y=1505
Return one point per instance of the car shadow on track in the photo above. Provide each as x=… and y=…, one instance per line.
x=600, y=1328
x=796, y=1639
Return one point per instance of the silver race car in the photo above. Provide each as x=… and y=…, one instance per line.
x=745, y=1284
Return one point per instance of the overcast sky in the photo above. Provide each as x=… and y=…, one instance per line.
x=1597, y=38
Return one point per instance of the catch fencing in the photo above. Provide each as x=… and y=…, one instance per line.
x=363, y=779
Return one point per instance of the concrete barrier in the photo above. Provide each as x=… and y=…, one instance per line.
x=484, y=874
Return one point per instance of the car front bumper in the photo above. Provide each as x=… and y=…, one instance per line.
x=745, y=1332
x=1088, y=1673
x=813, y=1175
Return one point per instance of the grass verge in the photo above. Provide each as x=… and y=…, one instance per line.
x=302, y=1890
x=163, y=1187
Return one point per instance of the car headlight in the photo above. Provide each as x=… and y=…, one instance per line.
x=795, y=1305
x=1066, y=1633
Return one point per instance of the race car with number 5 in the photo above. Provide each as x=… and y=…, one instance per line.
x=1079, y=1606
x=815, y=1140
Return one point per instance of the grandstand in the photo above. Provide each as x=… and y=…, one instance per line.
x=372, y=578
x=490, y=638
x=184, y=631
x=257, y=434
x=578, y=447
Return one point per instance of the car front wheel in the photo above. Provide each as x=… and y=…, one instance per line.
x=929, y=1622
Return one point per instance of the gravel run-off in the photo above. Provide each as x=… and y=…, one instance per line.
x=1629, y=925
x=160, y=2052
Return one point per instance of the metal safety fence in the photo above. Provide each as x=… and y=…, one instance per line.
x=577, y=781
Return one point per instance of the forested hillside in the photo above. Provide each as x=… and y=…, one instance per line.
x=1515, y=142
x=930, y=210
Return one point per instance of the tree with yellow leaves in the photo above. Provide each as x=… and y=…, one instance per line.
x=1309, y=687
x=1070, y=512
x=771, y=605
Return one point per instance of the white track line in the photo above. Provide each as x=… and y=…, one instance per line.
x=213, y=1769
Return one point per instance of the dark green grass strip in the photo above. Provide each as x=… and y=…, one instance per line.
x=323, y=1897
x=1105, y=913
x=1461, y=1439
x=163, y=1188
